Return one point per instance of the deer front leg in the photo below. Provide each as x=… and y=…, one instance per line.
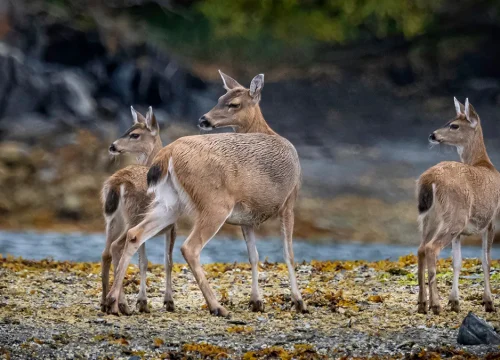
x=168, y=300
x=142, y=300
x=255, y=298
x=488, y=237
x=287, y=220
x=457, y=266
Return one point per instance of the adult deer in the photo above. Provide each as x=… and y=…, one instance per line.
x=125, y=201
x=241, y=111
x=240, y=179
x=454, y=199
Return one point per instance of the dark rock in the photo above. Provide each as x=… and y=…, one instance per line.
x=27, y=126
x=476, y=331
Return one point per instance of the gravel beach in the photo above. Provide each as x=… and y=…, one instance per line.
x=50, y=309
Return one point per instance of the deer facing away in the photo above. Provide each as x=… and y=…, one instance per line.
x=125, y=201
x=241, y=111
x=240, y=179
x=454, y=199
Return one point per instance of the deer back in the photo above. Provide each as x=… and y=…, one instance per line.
x=255, y=172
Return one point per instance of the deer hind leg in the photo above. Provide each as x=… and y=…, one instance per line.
x=168, y=300
x=155, y=221
x=117, y=252
x=255, y=298
x=457, y=266
x=114, y=230
x=432, y=250
x=204, y=229
x=488, y=237
x=428, y=226
x=142, y=299
x=287, y=221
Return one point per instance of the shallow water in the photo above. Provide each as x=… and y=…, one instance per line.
x=88, y=247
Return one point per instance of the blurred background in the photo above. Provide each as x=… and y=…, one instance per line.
x=356, y=85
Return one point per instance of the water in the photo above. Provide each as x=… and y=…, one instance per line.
x=88, y=247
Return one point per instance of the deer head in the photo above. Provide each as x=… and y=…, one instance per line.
x=141, y=139
x=237, y=108
x=460, y=130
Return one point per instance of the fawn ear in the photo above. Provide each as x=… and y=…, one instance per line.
x=151, y=122
x=459, y=107
x=471, y=114
x=229, y=82
x=137, y=116
x=256, y=87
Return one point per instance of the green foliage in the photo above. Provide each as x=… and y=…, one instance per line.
x=284, y=30
x=271, y=30
x=331, y=21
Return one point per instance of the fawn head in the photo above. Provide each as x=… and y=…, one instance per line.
x=237, y=107
x=141, y=138
x=460, y=130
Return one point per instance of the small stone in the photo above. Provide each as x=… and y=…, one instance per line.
x=476, y=331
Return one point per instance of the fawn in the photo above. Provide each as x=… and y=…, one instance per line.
x=125, y=201
x=240, y=179
x=454, y=199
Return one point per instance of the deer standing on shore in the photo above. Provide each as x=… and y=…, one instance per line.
x=243, y=114
x=125, y=201
x=240, y=179
x=454, y=199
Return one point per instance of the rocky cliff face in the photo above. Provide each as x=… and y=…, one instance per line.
x=56, y=78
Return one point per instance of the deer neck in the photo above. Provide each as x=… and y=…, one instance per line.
x=256, y=124
x=474, y=153
x=146, y=159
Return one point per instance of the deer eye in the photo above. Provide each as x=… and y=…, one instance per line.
x=134, y=136
x=454, y=126
x=233, y=106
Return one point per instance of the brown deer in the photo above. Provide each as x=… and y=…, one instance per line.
x=454, y=199
x=240, y=179
x=244, y=116
x=125, y=201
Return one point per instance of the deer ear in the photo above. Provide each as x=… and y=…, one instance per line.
x=471, y=114
x=229, y=82
x=137, y=116
x=459, y=107
x=256, y=87
x=151, y=122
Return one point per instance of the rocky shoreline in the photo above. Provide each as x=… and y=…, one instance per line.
x=357, y=309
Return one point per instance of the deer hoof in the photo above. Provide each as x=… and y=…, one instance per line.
x=257, y=305
x=436, y=309
x=112, y=306
x=124, y=309
x=104, y=307
x=422, y=307
x=455, y=305
x=220, y=311
x=488, y=306
x=142, y=306
x=169, y=305
x=300, y=307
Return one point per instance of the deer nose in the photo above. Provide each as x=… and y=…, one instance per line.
x=112, y=148
x=204, y=123
x=432, y=137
